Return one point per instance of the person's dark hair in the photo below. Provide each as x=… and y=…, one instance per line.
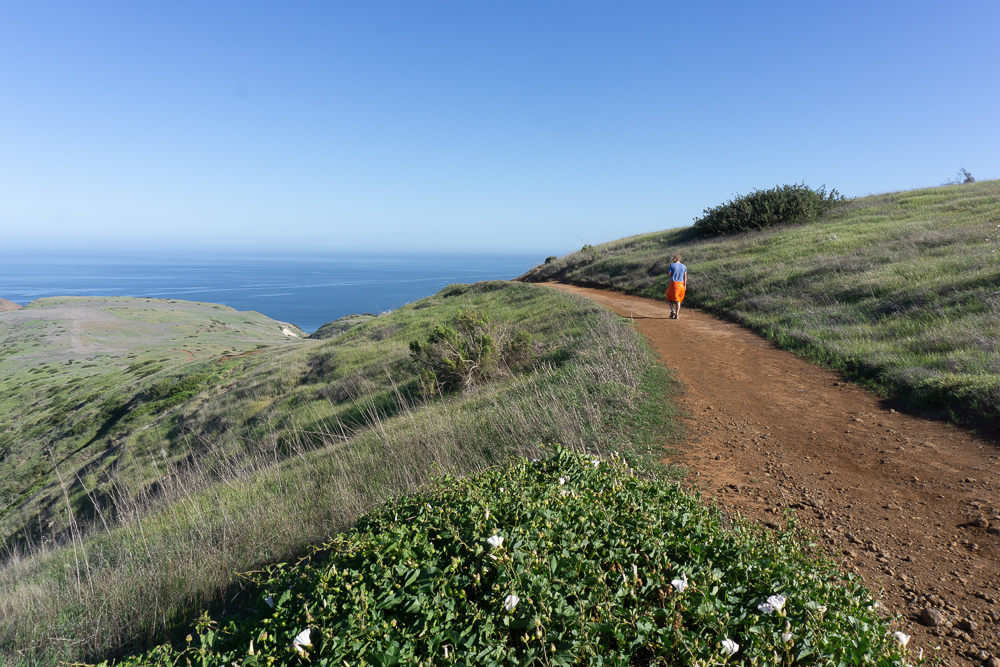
x=675, y=258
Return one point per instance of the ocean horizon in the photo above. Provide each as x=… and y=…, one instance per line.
x=304, y=290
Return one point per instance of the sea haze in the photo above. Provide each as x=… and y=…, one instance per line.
x=306, y=291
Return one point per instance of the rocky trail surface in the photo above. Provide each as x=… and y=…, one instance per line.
x=907, y=503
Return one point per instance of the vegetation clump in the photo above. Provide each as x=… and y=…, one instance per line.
x=474, y=351
x=781, y=205
x=964, y=176
x=574, y=560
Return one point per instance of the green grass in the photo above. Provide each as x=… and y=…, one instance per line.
x=71, y=394
x=278, y=450
x=341, y=325
x=899, y=291
x=573, y=560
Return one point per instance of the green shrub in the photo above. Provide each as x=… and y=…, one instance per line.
x=144, y=368
x=963, y=177
x=761, y=209
x=459, y=357
x=457, y=289
x=186, y=387
x=518, y=354
x=474, y=351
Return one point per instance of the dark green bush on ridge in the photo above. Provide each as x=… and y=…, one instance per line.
x=781, y=205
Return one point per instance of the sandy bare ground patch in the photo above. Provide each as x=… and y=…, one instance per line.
x=6, y=306
x=907, y=503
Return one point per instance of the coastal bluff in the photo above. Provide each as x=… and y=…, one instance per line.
x=6, y=305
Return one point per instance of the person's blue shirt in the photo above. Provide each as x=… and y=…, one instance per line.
x=677, y=271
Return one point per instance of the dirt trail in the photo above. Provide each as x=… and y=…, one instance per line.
x=907, y=503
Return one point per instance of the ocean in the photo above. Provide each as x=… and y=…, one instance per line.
x=307, y=291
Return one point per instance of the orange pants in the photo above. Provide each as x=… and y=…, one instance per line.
x=676, y=291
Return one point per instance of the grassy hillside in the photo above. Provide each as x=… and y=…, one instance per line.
x=237, y=456
x=83, y=377
x=901, y=291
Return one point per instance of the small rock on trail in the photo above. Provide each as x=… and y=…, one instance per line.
x=932, y=617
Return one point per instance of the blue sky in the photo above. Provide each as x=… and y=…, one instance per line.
x=469, y=125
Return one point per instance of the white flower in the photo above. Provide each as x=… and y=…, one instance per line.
x=680, y=584
x=635, y=570
x=821, y=609
x=270, y=601
x=496, y=541
x=903, y=638
x=510, y=602
x=786, y=636
x=563, y=493
x=487, y=513
x=562, y=480
x=730, y=647
x=301, y=641
x=596, y=462
x=773, y=604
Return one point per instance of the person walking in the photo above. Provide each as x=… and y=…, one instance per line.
x=678, y=285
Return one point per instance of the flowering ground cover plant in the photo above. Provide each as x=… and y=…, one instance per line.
x=566, y=561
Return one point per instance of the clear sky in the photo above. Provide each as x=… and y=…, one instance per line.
x=469, y=125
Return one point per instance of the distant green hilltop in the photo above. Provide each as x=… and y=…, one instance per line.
x=150, y=449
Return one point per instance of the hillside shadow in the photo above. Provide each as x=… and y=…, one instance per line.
x=982, y=428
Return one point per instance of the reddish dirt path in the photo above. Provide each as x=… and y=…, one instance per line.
x=907, y=503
